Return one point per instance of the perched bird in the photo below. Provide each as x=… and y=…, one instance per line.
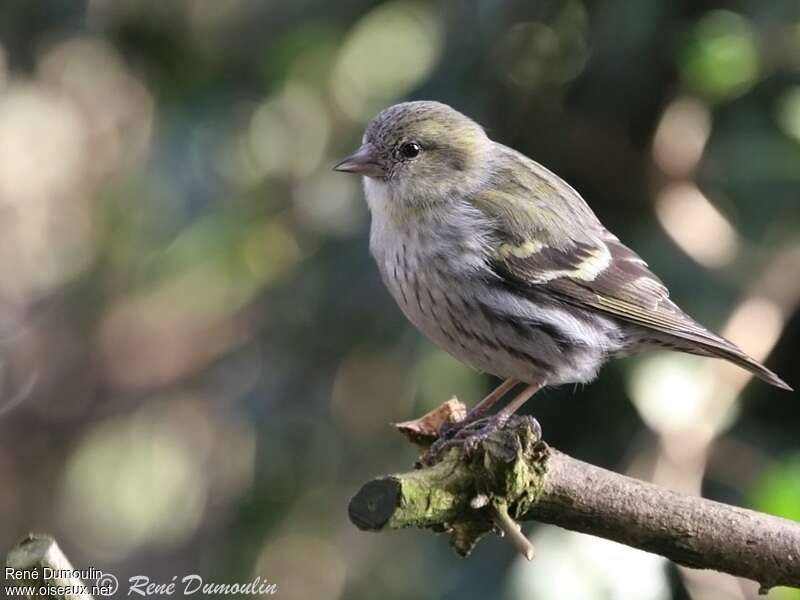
x=503, y=265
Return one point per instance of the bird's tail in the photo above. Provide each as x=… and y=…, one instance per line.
x=722, y=348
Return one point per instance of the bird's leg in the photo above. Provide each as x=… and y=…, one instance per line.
x=518, y=401
x=469, y=433
x=490, y=400
x=448, y=430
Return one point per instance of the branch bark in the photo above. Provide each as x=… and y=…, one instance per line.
x=38, y=567
x=513, y=471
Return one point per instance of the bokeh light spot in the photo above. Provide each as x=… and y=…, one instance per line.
x=755, y=325
x=671, y=392
x=288, y=133
x=721, y=59
x=387, y=53
x=533, y=53
x=589, y=568
x=789, y=113
x=778, y=490
x=696, y=225
x=129, y=483
x=681, y=136
x=45, y=230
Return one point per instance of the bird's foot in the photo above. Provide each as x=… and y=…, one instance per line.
x=468, y=435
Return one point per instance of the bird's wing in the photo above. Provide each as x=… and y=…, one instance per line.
x=547, y=236
x=604, y=275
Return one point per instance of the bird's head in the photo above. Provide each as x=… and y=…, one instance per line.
x=420, y=150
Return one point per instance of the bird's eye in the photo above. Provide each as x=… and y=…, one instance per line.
x=410, y=150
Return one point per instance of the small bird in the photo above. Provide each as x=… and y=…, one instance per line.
x=502, y=264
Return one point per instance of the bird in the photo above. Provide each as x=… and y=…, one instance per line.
x=502, y=264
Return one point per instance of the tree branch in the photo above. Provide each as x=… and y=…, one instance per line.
x=41, y=571
x=513, y=471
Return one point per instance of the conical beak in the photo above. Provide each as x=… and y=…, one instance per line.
x=362, y=162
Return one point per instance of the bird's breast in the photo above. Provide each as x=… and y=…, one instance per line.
x=439, y=273
x=427, y=259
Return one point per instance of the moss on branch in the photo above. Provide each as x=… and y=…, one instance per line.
x=460, y=491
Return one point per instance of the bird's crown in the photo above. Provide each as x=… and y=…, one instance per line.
x=425, y=119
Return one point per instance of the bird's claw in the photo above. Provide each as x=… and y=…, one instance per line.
x=468, y=435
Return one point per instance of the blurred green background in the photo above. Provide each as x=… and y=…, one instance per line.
x=198, y=361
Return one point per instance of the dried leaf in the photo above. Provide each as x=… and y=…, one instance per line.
x=425, y=430
x=465, y=535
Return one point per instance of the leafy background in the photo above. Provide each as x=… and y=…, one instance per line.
x=198, y=359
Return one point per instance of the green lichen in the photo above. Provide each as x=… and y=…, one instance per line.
x=433, y=495
x=507, y=469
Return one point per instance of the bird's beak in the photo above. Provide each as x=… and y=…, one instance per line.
x=362, y=162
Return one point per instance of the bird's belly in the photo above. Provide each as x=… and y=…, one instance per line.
x=492, y=330
x=429, y=304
